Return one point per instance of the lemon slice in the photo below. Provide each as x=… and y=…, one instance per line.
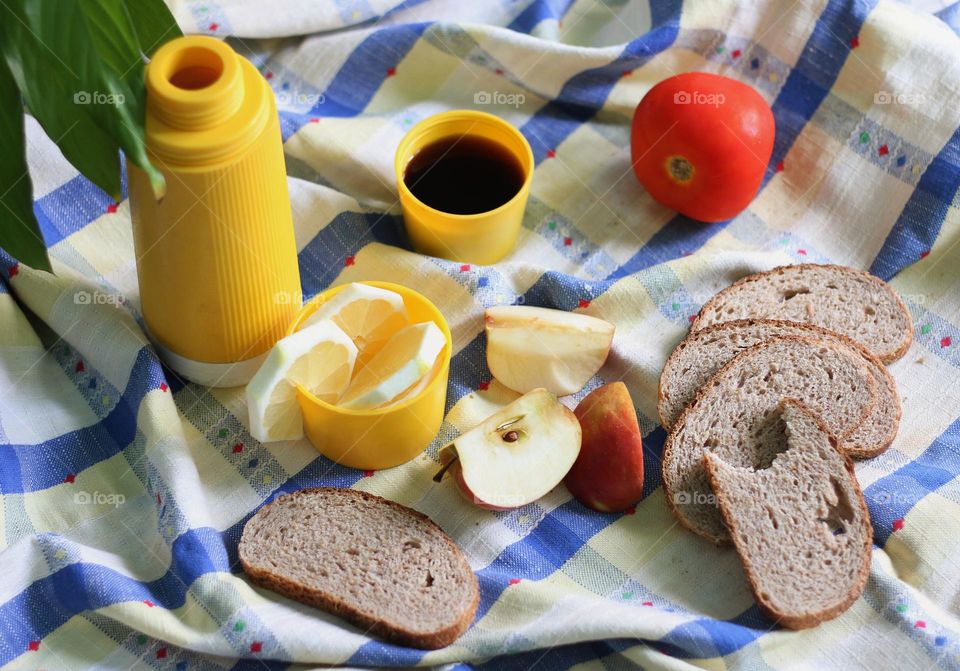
x=402, y=363
x=320, y=357
x=369, y=315
x=421, y=384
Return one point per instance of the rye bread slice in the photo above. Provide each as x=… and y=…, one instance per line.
x=379, y=565
x=848, y=301
x=704, y=352
x=801, y=526
x=731, y=414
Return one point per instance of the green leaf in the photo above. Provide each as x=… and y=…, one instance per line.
x=19, y=233
x=109, y=31
x=153, y=23
x=79, y=65
x=49, y=86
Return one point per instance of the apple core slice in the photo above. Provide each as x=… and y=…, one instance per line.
x=516, y=455
x=531, y=347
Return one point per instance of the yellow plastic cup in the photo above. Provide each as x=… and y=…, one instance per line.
x=381, y=437
x=482, y=238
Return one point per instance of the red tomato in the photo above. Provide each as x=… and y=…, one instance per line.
x=701, y=144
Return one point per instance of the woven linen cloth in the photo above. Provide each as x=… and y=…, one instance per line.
x=125, y=489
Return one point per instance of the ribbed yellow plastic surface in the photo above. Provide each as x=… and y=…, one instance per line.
x=216, y=258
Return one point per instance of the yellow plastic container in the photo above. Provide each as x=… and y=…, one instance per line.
x=482, y=238
x=216, y=258
x=385, y=437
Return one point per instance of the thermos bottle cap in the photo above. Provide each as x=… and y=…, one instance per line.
x=201, y=108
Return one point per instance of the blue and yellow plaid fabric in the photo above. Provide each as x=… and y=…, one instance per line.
x=125, y=490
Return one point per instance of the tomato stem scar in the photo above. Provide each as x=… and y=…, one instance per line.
x=679, y=169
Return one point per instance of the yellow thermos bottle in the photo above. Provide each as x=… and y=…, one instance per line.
x=216, y=257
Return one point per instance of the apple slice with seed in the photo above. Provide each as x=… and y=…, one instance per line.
x=516, y=455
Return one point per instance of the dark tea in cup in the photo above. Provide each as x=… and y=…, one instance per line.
x=463, y=178
x=464, y=174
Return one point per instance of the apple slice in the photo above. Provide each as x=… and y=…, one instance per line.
x=516, y=455
x=608, y=473
x=529, y=347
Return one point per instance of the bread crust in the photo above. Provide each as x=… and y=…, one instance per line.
x=394, y=632
x=668, y=444
x=815, y=331
x=886, y=357
x=811, y=619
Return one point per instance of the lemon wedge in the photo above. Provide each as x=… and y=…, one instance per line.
x=320, y=357
x=402, y=363
x=421, y=384
x=369, y=315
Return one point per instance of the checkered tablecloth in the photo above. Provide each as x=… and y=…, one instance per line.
x=124, y=490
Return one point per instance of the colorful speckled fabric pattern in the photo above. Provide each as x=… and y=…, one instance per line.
x=125, y=490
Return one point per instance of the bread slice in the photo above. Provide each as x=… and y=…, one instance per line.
x=704, y=352
x=844, y=300
x=383, y=567
x=801, y=526
x=731, y=414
